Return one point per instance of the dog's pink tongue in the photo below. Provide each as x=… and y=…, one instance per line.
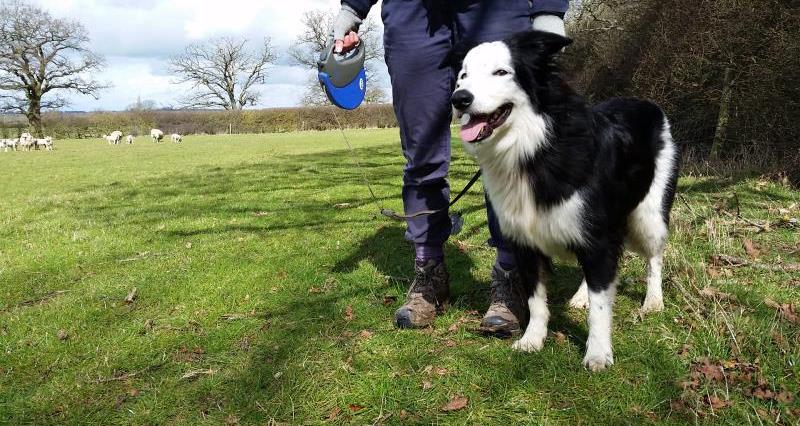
x=471, y=130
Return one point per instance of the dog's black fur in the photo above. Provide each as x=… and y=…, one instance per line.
x=607, y=152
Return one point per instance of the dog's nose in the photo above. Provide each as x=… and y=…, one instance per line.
x=462, y=99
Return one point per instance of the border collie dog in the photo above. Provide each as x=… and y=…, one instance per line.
x=566, y=179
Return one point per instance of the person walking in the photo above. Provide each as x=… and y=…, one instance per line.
x=419, y=36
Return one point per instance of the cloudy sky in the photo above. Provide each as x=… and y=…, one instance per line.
x=138, y=36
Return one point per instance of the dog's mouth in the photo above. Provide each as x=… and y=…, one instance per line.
x=480, y=126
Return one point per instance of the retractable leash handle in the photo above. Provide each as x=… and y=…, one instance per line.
x=343, y=77
x=344, y=81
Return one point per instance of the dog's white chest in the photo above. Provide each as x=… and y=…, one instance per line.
x=552, y=230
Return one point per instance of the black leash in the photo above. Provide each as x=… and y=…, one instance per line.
x=391, y=214
x=455, y=219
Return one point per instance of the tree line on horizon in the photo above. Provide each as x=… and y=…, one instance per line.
x=43, y=58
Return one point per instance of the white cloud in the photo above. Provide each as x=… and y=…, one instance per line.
x=138, y=36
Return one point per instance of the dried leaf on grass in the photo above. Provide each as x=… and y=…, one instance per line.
x=456, y=403
x=751, y=249
x=717, y=403
x=333, y=414
x=62, y=335
x=786, y=311
x=355, y=407
x=131, y=295
x=365, y=334
x=348, y=313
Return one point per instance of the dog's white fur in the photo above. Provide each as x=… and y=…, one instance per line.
x=553, y=229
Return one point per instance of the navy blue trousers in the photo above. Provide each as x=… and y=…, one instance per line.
x=418, y=38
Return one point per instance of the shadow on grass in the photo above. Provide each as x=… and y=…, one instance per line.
x=283, y=194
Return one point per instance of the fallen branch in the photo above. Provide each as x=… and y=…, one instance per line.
x=733, y=261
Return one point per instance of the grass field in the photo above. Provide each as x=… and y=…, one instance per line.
x=266, y=284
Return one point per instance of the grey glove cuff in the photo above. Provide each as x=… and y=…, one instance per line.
x=549, y=23
x=347, y=20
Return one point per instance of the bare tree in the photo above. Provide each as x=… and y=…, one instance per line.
x=305, y=50
x=41, y=56
x=223, y=72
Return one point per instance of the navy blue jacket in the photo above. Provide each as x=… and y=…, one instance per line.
x=555, y=7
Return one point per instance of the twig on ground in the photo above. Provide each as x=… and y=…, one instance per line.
x=691, y=210
x=236, y=317
x=142, y=256
x=126, y=376
x=43, y=298
x=733, y=261
x=761, y=228
x=190, y=375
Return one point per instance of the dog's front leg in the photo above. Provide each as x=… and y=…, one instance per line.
x=531, y=269
x=600, y=270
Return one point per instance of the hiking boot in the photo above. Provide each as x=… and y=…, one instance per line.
x=508, y=310
x=428, y=295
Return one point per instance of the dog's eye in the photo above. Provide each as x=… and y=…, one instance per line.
x=463, y=76
x=500, y=73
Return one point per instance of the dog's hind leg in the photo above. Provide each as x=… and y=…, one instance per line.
x=581, y=297
x=600, y=269
x=536, y=331
x=532, y=271
x=654, y=300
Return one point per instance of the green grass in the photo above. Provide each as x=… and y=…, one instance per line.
x=246, y=270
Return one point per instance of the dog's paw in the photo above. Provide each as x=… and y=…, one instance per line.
x=580, y=300
x=595, y=362
x=528, y=345
x=652, y=305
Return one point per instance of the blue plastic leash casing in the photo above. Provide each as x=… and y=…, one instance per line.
x=343, y=77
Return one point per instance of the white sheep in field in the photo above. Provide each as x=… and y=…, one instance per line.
x=26, y=141
x=46, y=143
x=129, y=139
x=176, y=138
x=4, y=145
x=117, y=135
x=108, y=138
x=12, y=144
x=156, y=135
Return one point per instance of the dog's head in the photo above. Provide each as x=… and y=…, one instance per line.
x=499, y=79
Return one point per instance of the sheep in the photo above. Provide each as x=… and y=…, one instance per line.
x=176, y=138
x=46, y=143
x=129, y=139
x=117, y=135
x=3, y=145
x=156, y=135
x=26, y=141
x=10, y=143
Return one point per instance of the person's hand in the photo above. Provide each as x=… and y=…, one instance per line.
x=549, y=23
x=346, y=44
x=344, y=30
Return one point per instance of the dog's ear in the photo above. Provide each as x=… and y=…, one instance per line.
x=545, y=43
